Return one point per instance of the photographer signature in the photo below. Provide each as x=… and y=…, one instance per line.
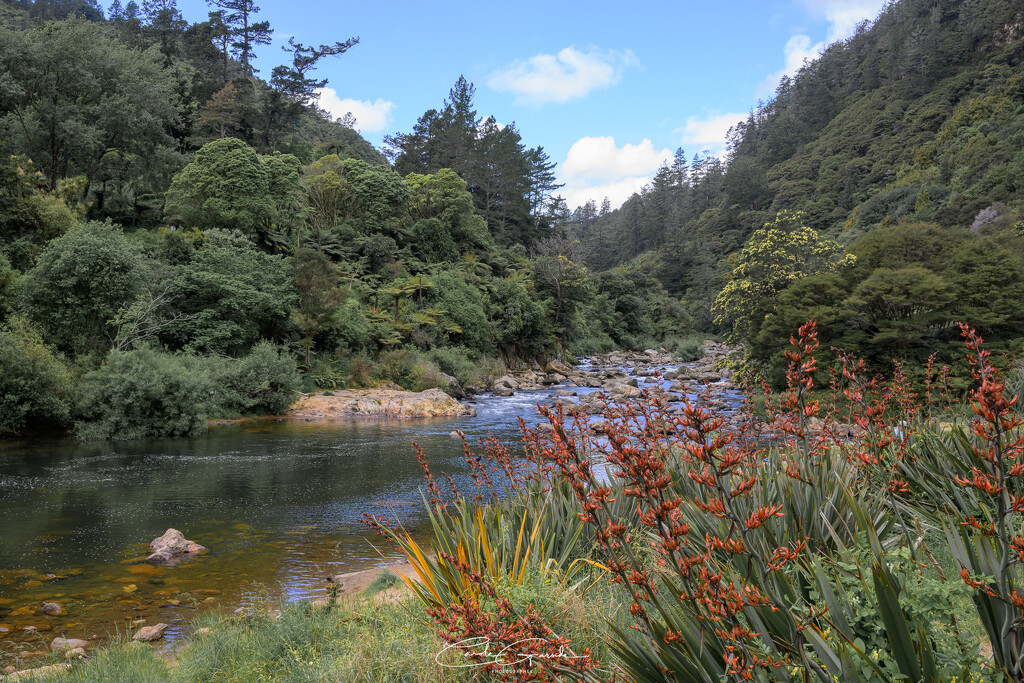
x=509, y=655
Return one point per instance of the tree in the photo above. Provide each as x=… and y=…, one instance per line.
x=166, y=24
x=774, y=257
x=293, y=89
x=442, y=206
x=225, y=186
x=320, y=298
x=80, y=283
x=35, y=385
x=73, y=95
x=230, y=297
x=239, y=15
x=220, y=116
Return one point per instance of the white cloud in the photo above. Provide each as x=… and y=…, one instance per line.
x=844, y=15
x=617, y=191
x=797, y=50
x=596, y=167
x=709, y=133
x=370, y=116
x=598, y=160
x=569, y=75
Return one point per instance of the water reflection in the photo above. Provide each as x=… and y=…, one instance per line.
x=277, y=504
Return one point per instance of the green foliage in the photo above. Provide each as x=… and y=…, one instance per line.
x=226, y=186
x=74, y=94
x=230, y=298
x=143, y=393
x=35, y=384
x=466, y=307
x=689, y=349
x=79, y=283
x=263, y=382
x=775, y=256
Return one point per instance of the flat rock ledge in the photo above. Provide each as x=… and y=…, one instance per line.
x=378, y=403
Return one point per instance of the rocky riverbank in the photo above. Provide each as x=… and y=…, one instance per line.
x=378, y=403
x=588, y=387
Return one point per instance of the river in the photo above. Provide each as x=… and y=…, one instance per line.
x=277, y=503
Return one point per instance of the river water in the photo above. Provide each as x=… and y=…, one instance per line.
x=277, y=503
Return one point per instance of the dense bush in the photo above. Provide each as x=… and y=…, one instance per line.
x=144, y=393
x=35, y=385
x=688, y=349
x=80, y=282
x=229, y=298
x=263, y=382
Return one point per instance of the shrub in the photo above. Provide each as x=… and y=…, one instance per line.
x=35, y=385
x=689, y=349
x=264, y=382
x=409, y=369
x=144, y=393
x=79, y=283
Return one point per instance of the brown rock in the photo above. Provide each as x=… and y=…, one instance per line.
x=75, y=653
x=53, y=609
x=149, y=633
x=40, y=672
x=65, y=644
x=557, y=367
x=380, y=403
x=172, y=546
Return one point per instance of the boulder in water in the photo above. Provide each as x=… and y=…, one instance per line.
x=65, y=644
x=149, y=633
x=172, y=546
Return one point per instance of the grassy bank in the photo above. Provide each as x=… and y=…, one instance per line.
x=381, y=634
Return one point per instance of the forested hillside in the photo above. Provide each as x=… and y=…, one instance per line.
x=880, y=191
x=185, y=235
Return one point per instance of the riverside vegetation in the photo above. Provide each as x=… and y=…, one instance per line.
x=216, y=213
x=677, y=548
x=863, y=524
x=212, y=243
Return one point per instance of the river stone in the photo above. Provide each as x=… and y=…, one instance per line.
x=501, y=390
x=172, y=546
x=64, y=644
x=40, y=672
x=75, y=653
x=53, y=609
x=149, y=633
x=557, y=367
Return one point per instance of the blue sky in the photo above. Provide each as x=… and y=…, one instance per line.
x=610, y=90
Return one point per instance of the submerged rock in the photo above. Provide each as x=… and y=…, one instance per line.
x=53, y=609
x=172, y=546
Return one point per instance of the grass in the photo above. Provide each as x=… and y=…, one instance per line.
x=371, y=637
